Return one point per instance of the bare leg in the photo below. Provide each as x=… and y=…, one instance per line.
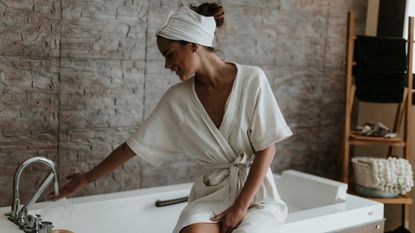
x=202, y=228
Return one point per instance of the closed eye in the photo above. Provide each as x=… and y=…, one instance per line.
x=166, y=53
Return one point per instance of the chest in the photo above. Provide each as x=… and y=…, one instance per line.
x=214, y=102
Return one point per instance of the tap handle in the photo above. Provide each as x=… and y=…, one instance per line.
x=32, y=222
x=45, y=227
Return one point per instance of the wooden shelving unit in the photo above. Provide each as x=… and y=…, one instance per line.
x=351, y=138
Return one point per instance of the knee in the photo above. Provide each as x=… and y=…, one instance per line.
x=190, y=229
x=194, y=228
x=201, y=228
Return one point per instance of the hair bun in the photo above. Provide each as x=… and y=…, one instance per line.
x=211, y=9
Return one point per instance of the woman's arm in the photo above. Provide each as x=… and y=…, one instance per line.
x=79, y=180
x=117, y=158
x=260, y=165
x=233, y=216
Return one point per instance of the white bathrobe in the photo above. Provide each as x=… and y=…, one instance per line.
x=252, y=121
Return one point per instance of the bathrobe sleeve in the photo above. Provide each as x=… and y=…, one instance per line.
x=268, y=125
x=159, y=136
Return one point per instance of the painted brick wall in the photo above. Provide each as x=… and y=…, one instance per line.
x=77, y=77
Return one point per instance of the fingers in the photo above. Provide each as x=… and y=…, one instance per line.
x=225, y=226
x=62, y=193
x=52, y=197
x=218, y=217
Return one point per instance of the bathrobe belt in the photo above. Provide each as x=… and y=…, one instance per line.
x=236, y=172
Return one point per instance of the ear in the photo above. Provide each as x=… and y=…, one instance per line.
x=194, y=47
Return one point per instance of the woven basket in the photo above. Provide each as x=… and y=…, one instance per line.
x=364, y=179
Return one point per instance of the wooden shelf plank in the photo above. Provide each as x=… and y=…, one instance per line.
x=364, y=143
x=356, y=139
x=397, y=200
x=402, y=199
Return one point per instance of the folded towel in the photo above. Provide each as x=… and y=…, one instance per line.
x=392, y=175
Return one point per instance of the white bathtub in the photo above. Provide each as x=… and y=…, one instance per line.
x=315, y=205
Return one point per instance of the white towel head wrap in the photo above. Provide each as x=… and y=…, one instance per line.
x=187, y=25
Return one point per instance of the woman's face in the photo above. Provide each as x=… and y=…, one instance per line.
x=179, y=58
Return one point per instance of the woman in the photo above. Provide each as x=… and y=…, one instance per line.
x=224, y=116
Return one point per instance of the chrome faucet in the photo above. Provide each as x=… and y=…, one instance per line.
x=20, y=216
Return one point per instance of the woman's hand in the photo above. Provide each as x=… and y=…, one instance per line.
x=230, y=218
x=76, y=183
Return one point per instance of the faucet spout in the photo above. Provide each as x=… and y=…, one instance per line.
x=36, y=194
x=18, y=216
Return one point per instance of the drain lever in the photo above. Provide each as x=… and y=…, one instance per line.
x=160, y=203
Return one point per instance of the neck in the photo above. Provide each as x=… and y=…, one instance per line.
x=213, y=71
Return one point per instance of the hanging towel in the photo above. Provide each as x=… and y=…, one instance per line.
x=380, y=69
x=380, y=87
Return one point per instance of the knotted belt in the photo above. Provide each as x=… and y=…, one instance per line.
x=232, y=171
